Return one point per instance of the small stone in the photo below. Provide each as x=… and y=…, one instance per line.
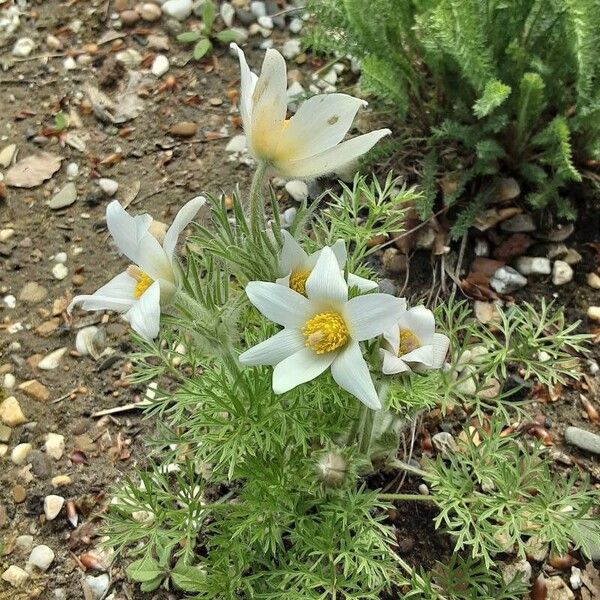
x=11, y=413
x=158, y=42
x=15, y=576
x=297, y=189
x=178, y=9
x=160, y=65
x=506, y=280
x=23, y=47
x=150, y=12
x=72, y=170
x=5, y=433
x=60, y=271
x=572, y=257
x=61, y=257
x=559, y=234
x=296, y=25
x=561, y=273
x=227, y=13
x=33, y=293
x=593, y=313
x=393, y=261
x=520, y=569
x=20, y=453
x=586, y=440
x=520, y=223
x=130, y=58
x=575, y=578
x=485, y=311
x=61, y=481
x=24, y=544
x=55, y=445
x=593, y=280
x=509, y=189
x=8, y=381
x=288, y=216
x=423, y=490
x=53, y=42
x=9, y=301
x=7, y=154
x=69, y=64
x=533, y=265
x=98, y=585
x=41, y=557
x=536, y=549
x=266, y=22
x=41, y=464
x=130, y=17
x=184, y=129
x=108, y=186
x=258, y=9
x=236, y=144
x=36, y=390
x=52, y=360
x=444, y=443
x=65, y=197
x=6, y=234
x=387, y=286
x=557, y=589
x=3, y=450
x=19, y=494
x=52, y=506
x=291, y=49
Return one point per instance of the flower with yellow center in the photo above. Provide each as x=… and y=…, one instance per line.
x=309, y=144
x=149, y=283
x=322, y=329
x=412, y=343
x=295, y=265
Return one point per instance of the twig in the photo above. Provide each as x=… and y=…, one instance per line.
x=461, y=255
x=38, y=56
x=73, y=391
x=124, y=408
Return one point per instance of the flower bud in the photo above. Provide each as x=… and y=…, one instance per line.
x=332, y=468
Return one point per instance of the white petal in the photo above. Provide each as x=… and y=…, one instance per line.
x=441, y=343
x=292, y=257
x=300, y=368
x=351, y=373
x=370, y=315
x=125, y=229
x=182, y=220
x=153, y=260
x=320, y=123
x=331, y=160
x=275, y=349
x=247, y=85
x=364, y=285
x=269, y=106
x=392, y=337
x=280, y=304
x=339, y=249
x=325, y=285
x=144, y=315
x=392, y=364
x=420, y=321
x=423, y=355
x=117, y=294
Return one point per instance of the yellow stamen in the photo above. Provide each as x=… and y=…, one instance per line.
x=325, y=332
x=408, y=342
x=298, y=281
x=144, y=281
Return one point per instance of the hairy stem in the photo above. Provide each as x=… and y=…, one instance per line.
x=405, y=497
x=257, y=205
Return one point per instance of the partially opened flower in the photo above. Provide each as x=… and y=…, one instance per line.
x=309, y=144
x=295, y=265
x=321, y=330
x=413, y=344
x=152, y=279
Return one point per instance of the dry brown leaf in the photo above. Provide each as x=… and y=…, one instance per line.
x=33, y=170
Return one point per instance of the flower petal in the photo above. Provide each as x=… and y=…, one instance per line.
x=420, y=321
x=275, y=349
x=370, y=315
x=144, y=315
x=325, y=284
x=247, y=85
x=441, y=343
x=292, y=256
x=182, y=220
x=333, y=159
x=364, y=285
x=269, y=106
x=126, y=230
x=341, y=254
x=423, y=355
x=351, y=373
x=392, y=364
x=280, y=304
x=300, y=368
x=117, y=294
x=320, y=123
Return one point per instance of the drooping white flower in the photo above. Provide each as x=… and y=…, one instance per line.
x=152, y=279
x=321, y=330
x=413, y=344
x=309, y=144
x=295, y=265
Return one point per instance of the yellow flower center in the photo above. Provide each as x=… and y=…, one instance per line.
x=325, y=332
x=144, y=281
x=408, y=342
x=298, y=281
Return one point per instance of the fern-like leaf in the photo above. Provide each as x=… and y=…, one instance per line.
x=494, y=94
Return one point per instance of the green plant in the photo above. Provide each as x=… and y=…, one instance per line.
x=513, y=87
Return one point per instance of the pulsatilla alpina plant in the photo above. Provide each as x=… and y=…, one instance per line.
x=292, y=381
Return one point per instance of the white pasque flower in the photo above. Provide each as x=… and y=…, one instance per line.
x=308, y=144
x=295, y=265
x=152, y=279
x=321, y=330
x=413, y=344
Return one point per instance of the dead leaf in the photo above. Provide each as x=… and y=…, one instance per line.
x=477, y=286
x=486, y=266
x=493, y=216
x=515, y=245
x=33, y=170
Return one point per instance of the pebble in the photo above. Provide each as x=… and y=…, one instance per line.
x=60, y=257
x=520, y=223
x=60, y=481
x=130, y=17
x=236, y=144
x=41, y=464
x=9, y=380
x=11, y=413
x=506, y=280
x=572, y=257
x=423, y=490
x=15, y=576
x=65, y=197
x=33, y=293
x=52, y=360
x=23, y=47
x=90, y=341
x=150, y=12
x=561, y=272
x=160, y=65
x=533, y=265
x=24, y=544
x=178, y=9
x=575, y=578
x=19, y=494
x=444, y=443
x=9, y=301
x=521, y=568
x=297, y=189
x=130, y=58
x=60, y=271
x=291, y=49
x=158, y=42
x=7, y=154
x=20, y=453
x=36, y=390
x=184, y=129
x=52, y=506
x=266, y=22
x=560, y=234
x=41, y=557
x=98, y=585
x=387, y=286
x=53, y=42
x=258, y=9
x=288, y=216
x=296, y=25
x=69, y=64
x=5, y=433
x=586, y=440
x=227, y=13
x=72, y=170
x=557, y=589
x=55, y=445
x=108, y=186
x=593, y=313
x=593, y=280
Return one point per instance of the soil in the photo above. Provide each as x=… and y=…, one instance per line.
x=157, y=173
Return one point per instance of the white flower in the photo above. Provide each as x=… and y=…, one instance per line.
x=307, y=145
x=295, y=265
x=153, y=277
x=321, y=330
x=412, y=342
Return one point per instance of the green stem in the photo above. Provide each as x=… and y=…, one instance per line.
x=404, y=497
x=257, y=205
x=366, y=430
x=398, y=464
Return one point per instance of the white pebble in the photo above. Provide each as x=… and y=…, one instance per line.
x=593, y=280
x=72, y=170
x=291, y=49
x=98, y=585
x=288, y=216
x=23, y=47
x=227, y=13
x=295, y=25
x=297, y=189
x=160, y=65
x=6, y=234
x=20, y=453
x=561, y=272
x=52, y=360
x=533, y=265
x=236, y=144
x=59, y=271
x=9, y=381
x=55, y=445
x=178, y=9
x=265, y=22
x=258, y=9
x=60, y=257
x=9, y=301
x=593, y=313
x=69, y=64
x=41, y=557
x=52, y=506
x=108, y=186
x=15, y=576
